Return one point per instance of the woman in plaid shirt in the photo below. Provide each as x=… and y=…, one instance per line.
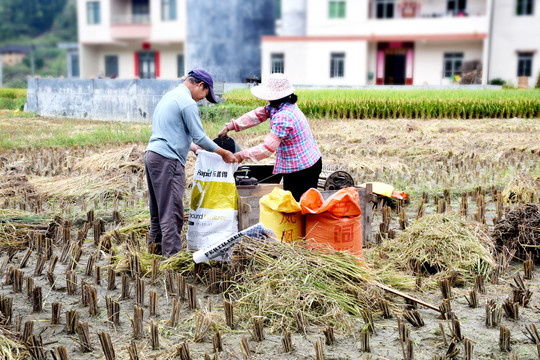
x=297, y=155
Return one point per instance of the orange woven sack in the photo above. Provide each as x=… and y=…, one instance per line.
x=345, y=202
x=326, y=232
x=334, y=224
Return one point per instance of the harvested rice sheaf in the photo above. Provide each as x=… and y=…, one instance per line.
x=277, y=280
x=523, y=188
x=520, y=231
x=439, y=243
x=16, y=227
x=10, y=347
x=181, y=262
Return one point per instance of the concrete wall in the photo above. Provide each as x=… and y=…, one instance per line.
x=109, y=100
x=293, y=17
x=224, y=37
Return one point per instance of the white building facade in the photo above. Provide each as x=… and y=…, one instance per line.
x=160, y=39
x=132, y=38
x=403, y=42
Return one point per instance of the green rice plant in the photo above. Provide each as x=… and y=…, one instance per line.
x=411, y=104
x=12, y=93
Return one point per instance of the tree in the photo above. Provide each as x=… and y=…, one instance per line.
x=32, y=18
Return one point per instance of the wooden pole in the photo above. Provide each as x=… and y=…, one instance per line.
x=403, y=295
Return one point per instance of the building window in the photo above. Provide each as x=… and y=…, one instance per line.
x=278, y=9
x=277, y=63
x=180, y=63
x=452, y=64
x=525, y=64
x=168, y=10
x=93, y=13
x=456, y=7
x=111, y=66
x=524, y=7
x=75, y=65
x=337, y=65
x=336, y=9
x=147, y=65
x=384, y=9
x=141, y=11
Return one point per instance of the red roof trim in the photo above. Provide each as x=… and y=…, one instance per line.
x=475, y=36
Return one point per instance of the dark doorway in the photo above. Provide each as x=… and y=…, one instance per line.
x=147, y=65
x=394, y=69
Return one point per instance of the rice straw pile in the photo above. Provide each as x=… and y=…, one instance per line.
x=16, y=227
x=277, y=280
x=112, y=159
x=522, y=188
x=140, y=225
x=439, y=243
x=82, y=186
x=10, y=348
x=520, y=231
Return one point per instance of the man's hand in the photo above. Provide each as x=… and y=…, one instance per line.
x=223, y=132
x=239, y=159
x=227, y=156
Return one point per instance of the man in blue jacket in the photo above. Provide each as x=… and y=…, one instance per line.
x=175, y=125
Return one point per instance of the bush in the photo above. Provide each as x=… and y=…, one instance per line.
x=222, y=112
x=12, y=93
x=497, y=81
x=12, y=104
x=20, y=84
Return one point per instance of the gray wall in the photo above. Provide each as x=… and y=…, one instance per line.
x=224, y=37
x=102, y=99
x=293, y=17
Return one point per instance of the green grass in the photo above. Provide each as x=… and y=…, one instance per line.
x=28, y=132
x=12, y=99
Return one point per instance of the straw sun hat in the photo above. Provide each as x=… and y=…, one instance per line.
x=277, y=87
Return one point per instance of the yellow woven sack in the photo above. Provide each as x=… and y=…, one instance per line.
x=280, y=212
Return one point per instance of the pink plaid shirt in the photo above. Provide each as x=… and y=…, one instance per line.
x=290, y=138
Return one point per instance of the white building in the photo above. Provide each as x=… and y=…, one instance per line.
x=161, y=38
x=131, y=38
x=419, y=42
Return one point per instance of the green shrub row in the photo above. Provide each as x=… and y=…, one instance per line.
x=12, y=104
x=223, y=112
x=12, y=93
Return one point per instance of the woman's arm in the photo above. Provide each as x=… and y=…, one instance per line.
x=266, y=149
x=280, y=129
x=250, y=119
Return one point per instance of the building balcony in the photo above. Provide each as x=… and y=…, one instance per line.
x=430, y=28
x=414, y=9
x=130, y=26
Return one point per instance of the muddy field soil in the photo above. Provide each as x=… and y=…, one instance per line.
x=37, y=184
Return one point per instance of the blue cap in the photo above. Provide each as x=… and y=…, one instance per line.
x=205, y=76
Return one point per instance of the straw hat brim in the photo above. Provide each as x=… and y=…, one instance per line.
x=263, y=92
